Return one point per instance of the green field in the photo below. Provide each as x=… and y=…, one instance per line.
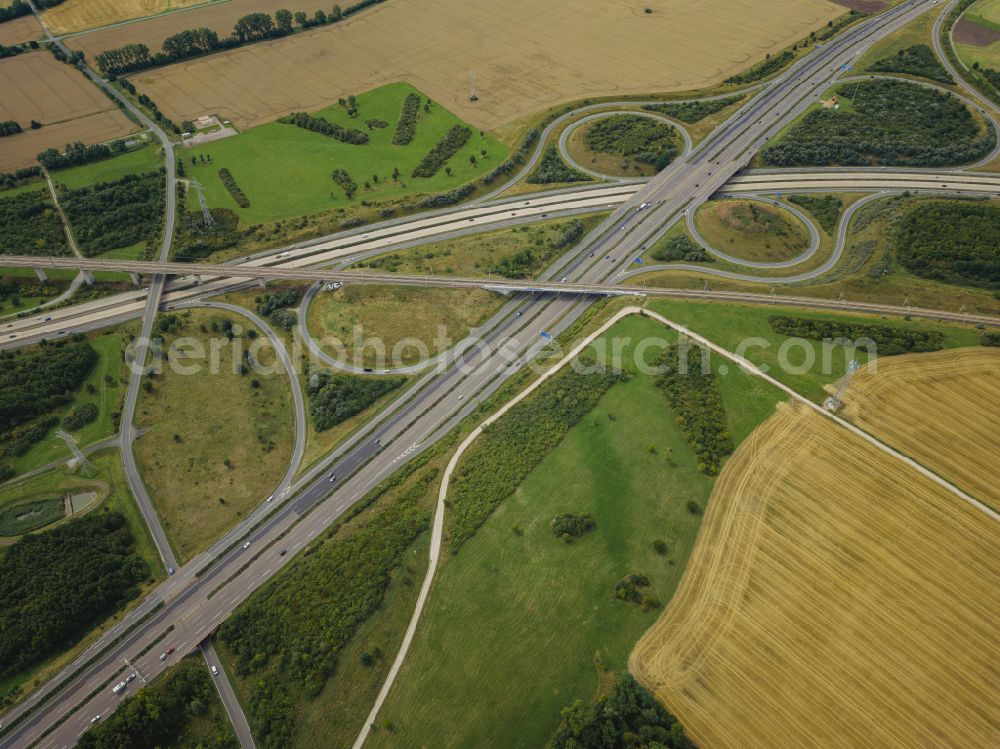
x=139, y=161
x=548, y=627
x=729, y=325
x=285, y=171
x=217, y=442
x=105, y=396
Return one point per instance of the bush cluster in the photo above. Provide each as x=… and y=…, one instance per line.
x=889, y=340
x=443, y=150
x=646, y=140
x=116, y=214
x=826, y=209
x=336, y=398
x=159, y=713
x=697, y=405
x=348, y=185
x=447, y=198
x=9, y=127
x=325, y=127
x=917, y=60
x=957, y=242
x=276, y=307
x=693, y=111
x=56, y=585
x=406, y=127
x=569, y=525
x=527, y=142
x=31, y=225
x=762, y=69
x=551, y=168
x=19, y=177
x=894, y=123
x=80, y=415
x=234, y=189
x=680, y=247
x=77, y=154
x=629, y=717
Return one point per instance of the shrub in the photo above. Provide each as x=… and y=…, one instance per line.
x=570, y=525
x=80, y=415
x=342, y=178
x=551, y=168
x=680, y=247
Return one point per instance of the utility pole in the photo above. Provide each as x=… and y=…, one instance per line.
x=473, y=96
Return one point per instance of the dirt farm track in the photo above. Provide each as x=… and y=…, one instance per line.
x=835, y=597
x=526, y=55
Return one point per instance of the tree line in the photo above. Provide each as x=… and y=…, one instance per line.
x=335, y=398
x=16, y=9
x=348, y=185
x=891, y=123
x=77, y=154
x=325, y=127
x=889, y=340
x=527, y=143
x=443, y=150
x=234, y=189
x=250, y=28
x=697, y=404
x=296, y=626
x=58, y=584
x=406, y=127
x=115, y=214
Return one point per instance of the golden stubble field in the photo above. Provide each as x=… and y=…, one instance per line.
x=22, y=29
x=940, y=409
x=36, y=86
x=835, y=598
x=526, y=55
x=76, y=15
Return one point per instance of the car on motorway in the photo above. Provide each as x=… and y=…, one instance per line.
x=117, y=689
x=163, y=656
x=283, y=552
x=130, y=677
x=170, y=650
x=215, y=671
x=270, y=498
x=246, y=545
x=95, y=719
x=282, y=254
x=170, y=570
x=333, y=476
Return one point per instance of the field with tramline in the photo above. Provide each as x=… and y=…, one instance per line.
x=835, y=597
x=77, y=15
x=940, y=409
x=611, y=49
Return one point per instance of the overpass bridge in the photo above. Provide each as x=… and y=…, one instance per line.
x=200, y=271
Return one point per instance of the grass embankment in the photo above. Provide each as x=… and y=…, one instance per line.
x=549, y=607
x=107, y=479
x=391, y=314
x=519, y=252
x=751, y=230
x=216, y=442
x=103, y=388
x=285, y=171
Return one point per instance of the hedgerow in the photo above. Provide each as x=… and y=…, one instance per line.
x=325, y=127
x=693, y=111
x=407, y=125
x=443, y=150
x=889, y=340
x=697, y=405
x=234, y=189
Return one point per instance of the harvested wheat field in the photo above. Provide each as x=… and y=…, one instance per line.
x=22, y=149
x=36, y=86
x=835, y=598
x=940, y=409
x=77, y=15
x=526, y=55
x=22, y=29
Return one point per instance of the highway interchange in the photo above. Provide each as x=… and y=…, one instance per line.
x=193, y=604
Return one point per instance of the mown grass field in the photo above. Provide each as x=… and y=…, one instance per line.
x=216, y=417
x=540, y=606
x=750, y=230
x=730, y=325
x=937, y=408
x=391, y=314
x=109, y=347
x=285, y=171
x=835, y=597
x=139, y=161
x=108, y=479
